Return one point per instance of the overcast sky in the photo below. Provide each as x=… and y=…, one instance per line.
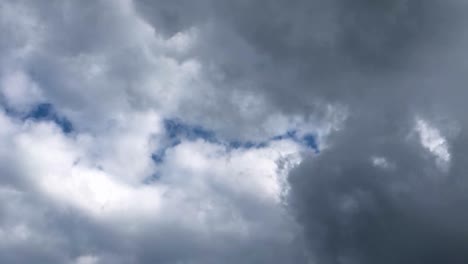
x=233, y=131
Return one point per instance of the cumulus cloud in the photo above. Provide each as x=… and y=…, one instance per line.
x=137, y=131
x=209, y=203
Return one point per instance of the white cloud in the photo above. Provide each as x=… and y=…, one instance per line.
x=204, y=187
x=87, y=260
x=434, y=142
x=19, y=91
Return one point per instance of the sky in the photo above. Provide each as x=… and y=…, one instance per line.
x=246, y=131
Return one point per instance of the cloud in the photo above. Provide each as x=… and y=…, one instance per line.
x=85, y=91
x=137, y=131
x=90, y=205
x=357, y=210
x=298, y=53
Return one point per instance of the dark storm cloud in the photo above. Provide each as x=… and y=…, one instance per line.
x=357, y=211
x=302, y=51
x=389, y=61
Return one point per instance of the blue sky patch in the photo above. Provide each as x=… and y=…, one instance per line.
x=310, y=141
x=47, y=112
x=176, y=131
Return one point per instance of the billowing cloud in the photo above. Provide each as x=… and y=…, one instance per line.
x=137, y=131
x=82, y=198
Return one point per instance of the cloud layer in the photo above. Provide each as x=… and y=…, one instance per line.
x=136, y=131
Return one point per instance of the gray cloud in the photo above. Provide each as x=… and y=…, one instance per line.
x=357, y=211
x=387, y=186
x=299, y=53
